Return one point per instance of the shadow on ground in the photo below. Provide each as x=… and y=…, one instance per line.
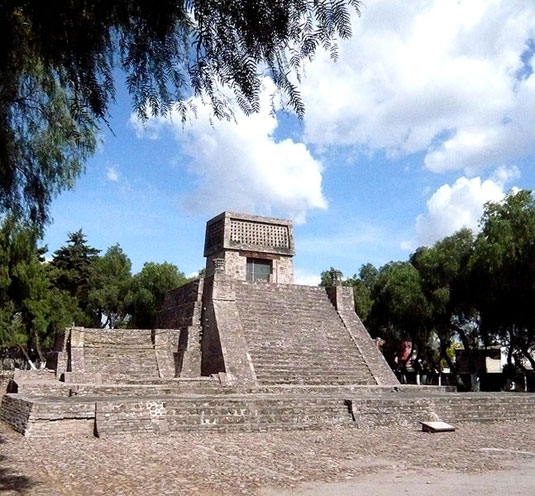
x=11, y=482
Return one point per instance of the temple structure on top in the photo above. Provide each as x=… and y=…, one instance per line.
x=250, y=248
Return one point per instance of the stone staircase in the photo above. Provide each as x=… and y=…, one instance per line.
x=83, y=355
x=119, y=354
x=295, y=336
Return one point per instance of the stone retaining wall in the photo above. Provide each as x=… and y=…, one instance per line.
x=15, y=412
x=242, y=413
x=182, y=306
x=252, y=412
x=182, y=309
x=451, y=408
x=35, y=417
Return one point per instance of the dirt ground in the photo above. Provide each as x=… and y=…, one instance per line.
x=474, y=460
x=516, y=480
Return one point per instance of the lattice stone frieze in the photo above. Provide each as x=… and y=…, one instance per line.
x=231, y=231
x=259, y=234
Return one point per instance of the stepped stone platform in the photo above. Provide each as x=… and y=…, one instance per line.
x=275, y=334
x=108, y=415
x=241, y=349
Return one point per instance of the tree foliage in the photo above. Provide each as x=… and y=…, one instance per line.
x=362, y=289
x=400, y=312
x=326, y=277
x=148, y=290
x=57, y=63
x=447, y=284
x=74, y=263
x=44, y=136
x=109, y=284
x=466, y=291
x=78, y=287
x=504, y=269
x=32, y=310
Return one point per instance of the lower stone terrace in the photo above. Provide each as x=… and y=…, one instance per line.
x=104, y=416
x=216, y=464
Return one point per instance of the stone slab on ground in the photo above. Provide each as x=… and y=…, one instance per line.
x=437, y=427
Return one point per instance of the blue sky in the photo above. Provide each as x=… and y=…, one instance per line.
x=428, y=113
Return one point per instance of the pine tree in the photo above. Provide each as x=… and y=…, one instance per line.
x=73, y=263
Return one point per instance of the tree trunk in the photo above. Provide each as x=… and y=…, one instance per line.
x=467, y=347
x=42, y=360
x=528, y=355
x=469, y=350
x=32, y=365
x=453, y=368
x=447, y=359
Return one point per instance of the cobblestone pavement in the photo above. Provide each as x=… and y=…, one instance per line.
x=212, y=464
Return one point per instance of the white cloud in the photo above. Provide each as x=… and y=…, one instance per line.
x=407, y=245
x=112, y=174
x=504, y=175
x=435, y=76
x=239, y=165
x=306, y=278
x=451, y=208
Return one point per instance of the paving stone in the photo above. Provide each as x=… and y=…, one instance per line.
x=215, y=464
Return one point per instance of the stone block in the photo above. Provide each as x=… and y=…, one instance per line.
x=82, y=378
